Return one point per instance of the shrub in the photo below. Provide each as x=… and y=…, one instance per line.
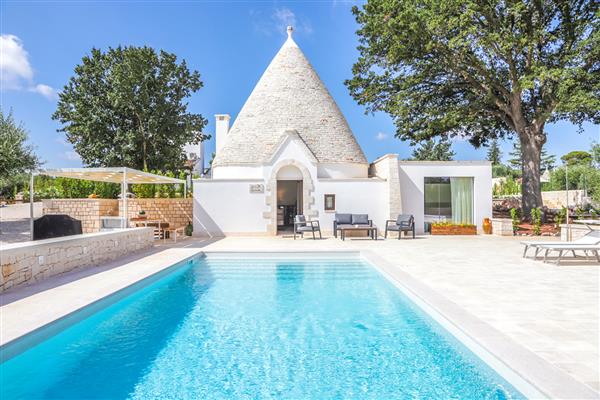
x=514, y=216
x=506, y=188
x=561, y=215
x=536, y=220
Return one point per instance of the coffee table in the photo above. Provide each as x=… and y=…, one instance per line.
x=371, y=229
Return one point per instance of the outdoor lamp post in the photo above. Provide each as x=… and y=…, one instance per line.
x=567, y=191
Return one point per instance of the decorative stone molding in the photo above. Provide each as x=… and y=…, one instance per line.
x=271, y=196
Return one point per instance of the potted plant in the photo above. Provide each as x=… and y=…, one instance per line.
x=142, y=214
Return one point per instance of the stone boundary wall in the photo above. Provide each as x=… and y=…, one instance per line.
x=88, y=211
x=575, y=231
x=29, y=262
x=552, y=199
x=177, y=212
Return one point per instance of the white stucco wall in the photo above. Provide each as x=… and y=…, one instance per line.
x=357, y=196
x=224, y=207
x=342, y=170
x=238, y=172
x=412, y=182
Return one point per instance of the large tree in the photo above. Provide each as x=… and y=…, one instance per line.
x=430, y=150
x=483, y=69
x=16, y=155
x=128, y=107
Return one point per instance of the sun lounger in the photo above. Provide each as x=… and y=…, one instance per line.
x=590, y=238
x=563, y=248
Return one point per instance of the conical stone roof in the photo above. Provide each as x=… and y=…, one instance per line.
x=289, y=96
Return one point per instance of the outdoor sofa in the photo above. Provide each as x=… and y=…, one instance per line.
x=350, y=219
x=403, y=223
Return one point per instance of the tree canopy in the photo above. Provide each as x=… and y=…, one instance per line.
x=430, y=150
x=127, y=107
x=16, y=155
x=481, y=69
x=577, y=157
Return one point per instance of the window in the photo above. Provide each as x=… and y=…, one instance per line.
x=448, y=199
x=329, y=202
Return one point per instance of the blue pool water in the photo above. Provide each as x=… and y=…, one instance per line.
x=248, y=329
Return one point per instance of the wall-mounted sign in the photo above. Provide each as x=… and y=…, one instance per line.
x=257, y=188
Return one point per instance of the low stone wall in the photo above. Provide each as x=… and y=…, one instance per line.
x=575, y=231
x=88, y=211
x=502, y=227
x=177, y=212
x=556, y=199
x=30, y=262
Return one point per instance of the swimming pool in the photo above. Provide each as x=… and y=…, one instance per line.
x=256, y=328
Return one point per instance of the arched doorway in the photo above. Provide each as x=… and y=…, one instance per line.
x=294, y=179
x=289, y=197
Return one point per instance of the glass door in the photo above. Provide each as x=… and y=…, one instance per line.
x=448, y=200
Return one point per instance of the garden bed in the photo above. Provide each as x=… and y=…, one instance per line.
x=452, y=229
x=545, y=230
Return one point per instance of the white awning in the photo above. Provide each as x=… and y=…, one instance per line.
x=114, y=175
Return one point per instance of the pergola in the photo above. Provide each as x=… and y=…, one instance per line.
x=121, y=175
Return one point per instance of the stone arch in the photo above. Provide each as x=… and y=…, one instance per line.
x=308, y=188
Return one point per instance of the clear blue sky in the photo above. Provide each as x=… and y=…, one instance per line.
x=229, y=43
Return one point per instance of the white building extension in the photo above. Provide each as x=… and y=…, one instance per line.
x=290, y=150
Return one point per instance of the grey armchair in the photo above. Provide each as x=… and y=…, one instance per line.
x=301, y=225
x=404, y=223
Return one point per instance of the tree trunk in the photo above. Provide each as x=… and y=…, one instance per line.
x=144, y=155
x=532, y=141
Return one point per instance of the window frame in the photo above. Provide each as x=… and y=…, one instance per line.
x=325, y=198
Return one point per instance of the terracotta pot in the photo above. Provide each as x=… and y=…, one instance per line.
x=487, y=226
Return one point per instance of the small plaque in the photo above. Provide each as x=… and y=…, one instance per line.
x=257, y=188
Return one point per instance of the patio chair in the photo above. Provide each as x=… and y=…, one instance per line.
x=562, y=248
x=404, y=223
x=301, y=225
x=590, y=238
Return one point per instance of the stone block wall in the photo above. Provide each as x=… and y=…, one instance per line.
x=387, y=168
x=502, y=227
x=30, y=262
x=177, y=212
x=88, y=211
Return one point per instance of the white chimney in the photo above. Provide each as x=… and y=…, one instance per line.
x=221, y=130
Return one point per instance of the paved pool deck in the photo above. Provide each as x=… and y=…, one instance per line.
x=551, y=311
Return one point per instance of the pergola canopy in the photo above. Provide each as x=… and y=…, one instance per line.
x=121, y=175
x=114, y=175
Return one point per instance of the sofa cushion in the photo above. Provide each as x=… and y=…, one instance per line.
x=343, y=218
x=360, y=219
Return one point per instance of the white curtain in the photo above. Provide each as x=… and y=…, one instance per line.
x=462, y=200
